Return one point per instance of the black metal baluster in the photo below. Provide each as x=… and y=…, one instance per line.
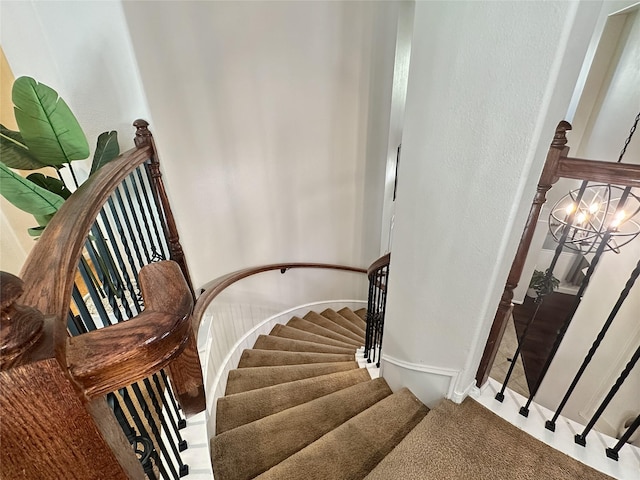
x=154, y=429
x=158, y=206
x=145, y=212
x=182, y=443
x=612, y=453
x=132, y=214
x=141, y=428
x=516, y=355
x=182, y=423
x=74, y=324
x=123, y=269
x=102, y=269
x=369, y=326
x=118, y=285
x=551, y=424
x=184, y=469
x=123, y=238
x=130, y=230
x=581, y=437
x=93, y=291
x=86, y=317
x=585, y=283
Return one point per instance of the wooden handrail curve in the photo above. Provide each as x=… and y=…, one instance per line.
x=104, y=360
x=383, y=261
x=49, y=271
x=217, y=286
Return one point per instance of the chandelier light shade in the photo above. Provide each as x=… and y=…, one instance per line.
x=588, y=218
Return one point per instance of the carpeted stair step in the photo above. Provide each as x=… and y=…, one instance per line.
x=343, y=322
x=354, y=448
x=360, y=318
x=305, y=325
x=297, y=334
x=322, y=321
x=272, y=358
x=245, y=379
x=242, y=408
x=268, y=342
x=362, y=313
x=247, y=451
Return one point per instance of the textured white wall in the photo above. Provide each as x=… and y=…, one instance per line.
x=488, y=83
x=262, y=116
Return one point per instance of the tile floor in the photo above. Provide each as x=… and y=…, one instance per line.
x=518, y=381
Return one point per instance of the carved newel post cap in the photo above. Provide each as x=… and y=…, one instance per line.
x=20, y=326
x=560, y=137
x=143, y=135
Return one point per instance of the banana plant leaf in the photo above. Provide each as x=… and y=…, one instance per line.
x=14, y=153
x=52, y=184
x=48, y=127
x=106, y=150
x=26, y=195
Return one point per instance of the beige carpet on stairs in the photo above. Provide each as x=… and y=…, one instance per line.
x=462, y=442
x=299, y=408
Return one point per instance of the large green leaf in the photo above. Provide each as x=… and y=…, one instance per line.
x=106, y=150
x=26, y=195
x=48, y=127
x=50, y=183
x=14, y=153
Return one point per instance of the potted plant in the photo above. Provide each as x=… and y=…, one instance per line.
x=49, y=136
x=542, y=283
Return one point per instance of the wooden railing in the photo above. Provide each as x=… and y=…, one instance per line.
x=558, y=164
x=217, y=286
x=56, y=422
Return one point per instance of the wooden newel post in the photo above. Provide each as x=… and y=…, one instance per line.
x=143, y=138
x=48, y=430
x=557, y=150
x=186, y=370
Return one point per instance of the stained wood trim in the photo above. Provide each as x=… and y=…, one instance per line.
x=217, y=286
x=624, y=174
x=49, y=271
x=383, y=261
x=113, y=357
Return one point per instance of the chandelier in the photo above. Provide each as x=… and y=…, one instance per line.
x=590, y=216
x=595, y=214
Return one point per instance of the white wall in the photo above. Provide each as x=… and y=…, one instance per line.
x=262, y=114
x=604, y=116
x=488, y=83
x=83, y=51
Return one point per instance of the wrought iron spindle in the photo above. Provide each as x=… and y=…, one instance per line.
x=148, y=214
x=612, y=453
x=551, y=424
x=581, y=437
x=124, y=240
x=105, y=278
x=157, y=438
x=578, y=298
x=94, y=291
x=182, y=422
x=136, y=221
x=115, y=247
x=182, y=468
x=127, y=221
x=182, y=443
x=142, y=430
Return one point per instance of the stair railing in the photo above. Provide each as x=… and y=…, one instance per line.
x=98, y=362
x=557, y=165
x=378, y=274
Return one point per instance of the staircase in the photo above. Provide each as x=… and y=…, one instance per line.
x=298, y=398
x=299, y=407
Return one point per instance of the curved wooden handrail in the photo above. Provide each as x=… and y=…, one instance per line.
x=113, y=357
x=383, y=261
x=50, y=268
x=218, y=285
